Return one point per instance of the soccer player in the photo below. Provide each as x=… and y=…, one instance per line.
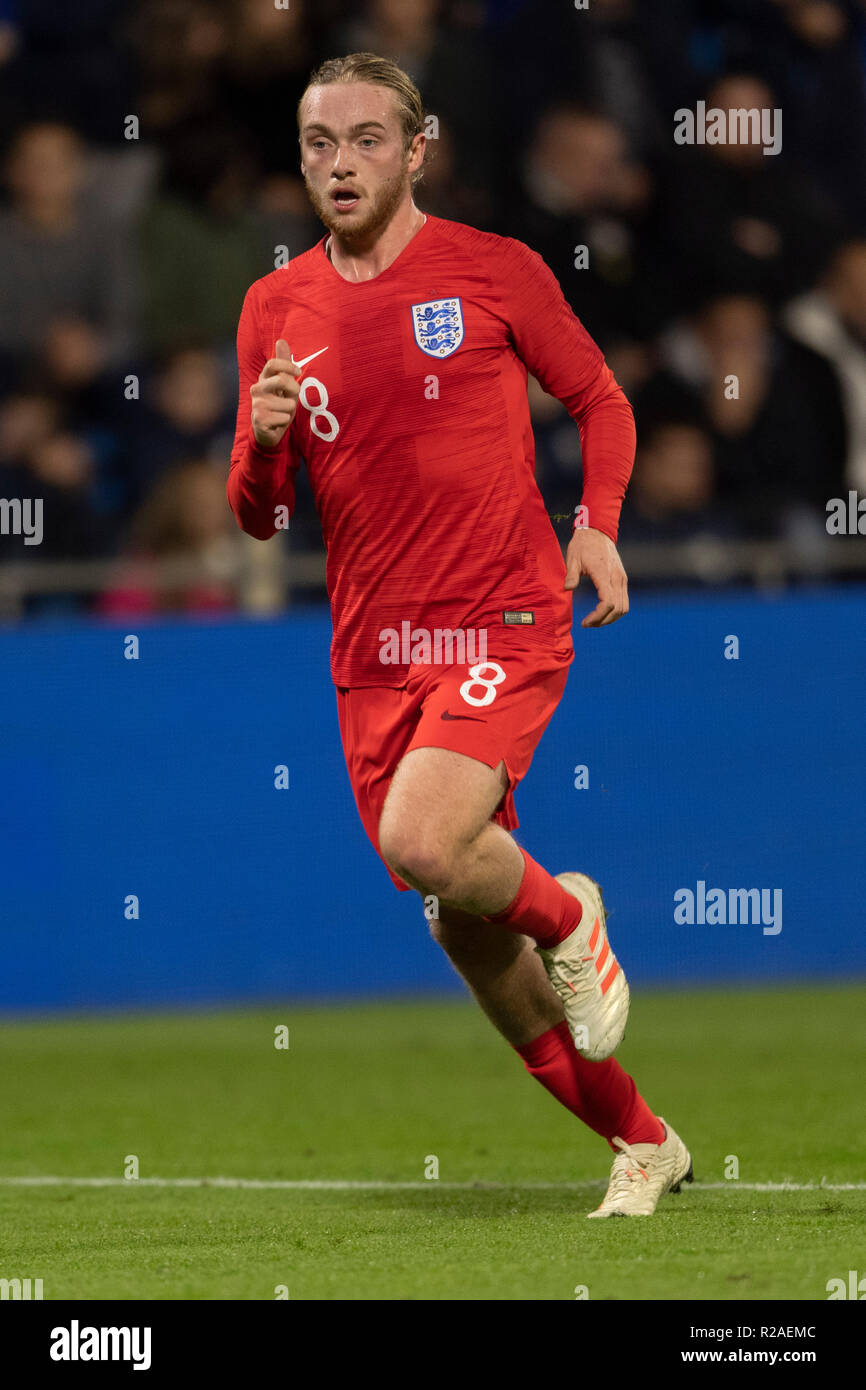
x=392, y=359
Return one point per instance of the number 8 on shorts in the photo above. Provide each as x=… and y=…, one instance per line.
x=488, y=685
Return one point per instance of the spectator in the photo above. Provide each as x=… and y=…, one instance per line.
x=825, y=98
x=27, y=418
x=740, y=220
x=672, y=496
x=831, y=320
x=186, y=412
x=179, y=46
x=770, y=405
x=41, y=457
x=201, y=239
x=620, y=85
x=582, y=189
x=63, y=270
x=811, y=54
x=62, y=469
x=555, y=127
x=57, y=468
x=186, y=523
x=266, y=69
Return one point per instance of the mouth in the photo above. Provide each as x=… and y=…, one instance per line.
x=345, y=199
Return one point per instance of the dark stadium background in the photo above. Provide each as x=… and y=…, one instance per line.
x=123, y=264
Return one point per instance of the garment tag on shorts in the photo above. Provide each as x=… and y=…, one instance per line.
x=518, y=617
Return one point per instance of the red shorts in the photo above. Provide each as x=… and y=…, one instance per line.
x=497, y=715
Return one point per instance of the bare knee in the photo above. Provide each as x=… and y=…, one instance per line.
x=422, y=856
x=437, y=805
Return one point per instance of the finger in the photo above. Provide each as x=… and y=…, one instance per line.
x=283, y=353
x=619, y=599
x=573, y=574
x=606, y=598
x=599, y=615
x=271, y=424
x=623, y=602
x=280, y=384
x=603, y=579
x=282, y=360
x=273, y=411
x=280, y=381
x=269, y=416
x=279, y=366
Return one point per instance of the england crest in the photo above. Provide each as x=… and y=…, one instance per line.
x=438, y=326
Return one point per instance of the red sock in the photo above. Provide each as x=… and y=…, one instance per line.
x=542, y=908
x=599, y=1093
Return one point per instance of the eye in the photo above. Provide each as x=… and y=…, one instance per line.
x=369, y=141
x=319, y=144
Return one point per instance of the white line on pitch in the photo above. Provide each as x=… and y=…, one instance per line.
x=376, y=1185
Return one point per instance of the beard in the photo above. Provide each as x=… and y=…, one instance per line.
x=363, y=230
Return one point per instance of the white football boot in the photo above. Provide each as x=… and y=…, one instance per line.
x=587, y=977
x=642, y=1173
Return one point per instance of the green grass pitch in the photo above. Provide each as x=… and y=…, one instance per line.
x=369, y=1093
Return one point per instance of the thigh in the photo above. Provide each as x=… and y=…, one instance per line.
x=450, y=794
x=376, y=727
x=490, y=715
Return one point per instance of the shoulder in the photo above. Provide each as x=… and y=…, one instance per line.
x=507, y=269
x=487, y=247
x=286, y=280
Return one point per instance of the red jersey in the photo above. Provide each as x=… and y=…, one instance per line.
x=413, y=422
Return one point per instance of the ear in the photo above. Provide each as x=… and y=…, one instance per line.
x=416, y=151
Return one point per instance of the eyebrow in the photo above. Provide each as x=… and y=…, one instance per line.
x=363, y=125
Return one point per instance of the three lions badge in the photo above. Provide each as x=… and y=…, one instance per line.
x=438, y=326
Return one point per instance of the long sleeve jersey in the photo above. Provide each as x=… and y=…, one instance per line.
x=413, y=423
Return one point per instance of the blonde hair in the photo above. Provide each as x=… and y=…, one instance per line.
x=379, y=72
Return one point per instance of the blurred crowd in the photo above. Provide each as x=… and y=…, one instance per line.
x=150, y=174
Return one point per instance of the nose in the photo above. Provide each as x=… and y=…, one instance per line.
x=343, y=167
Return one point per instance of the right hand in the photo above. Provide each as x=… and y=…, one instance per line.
x=275, y=397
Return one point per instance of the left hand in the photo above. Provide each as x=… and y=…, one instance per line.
x=593, y=553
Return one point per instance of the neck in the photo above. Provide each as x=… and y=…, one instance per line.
x=365, y=262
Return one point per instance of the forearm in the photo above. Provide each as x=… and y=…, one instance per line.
x=607, y=439
x=259, y=483
x=560, y=354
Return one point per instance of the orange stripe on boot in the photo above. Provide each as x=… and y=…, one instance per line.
x=609, y=978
